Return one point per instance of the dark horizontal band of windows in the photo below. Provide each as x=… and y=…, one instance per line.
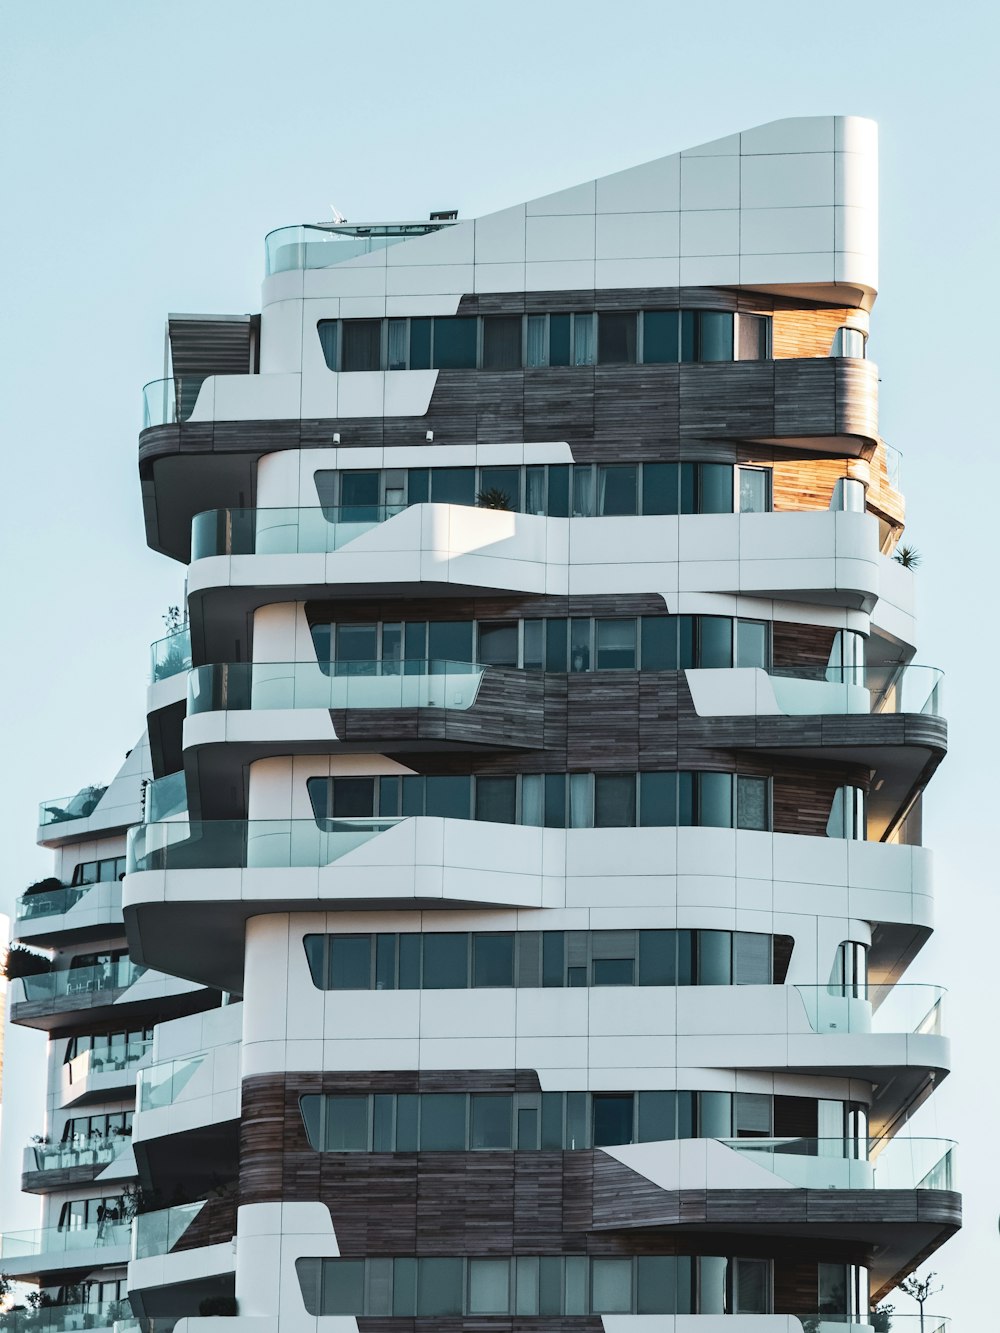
x=559, y=644
x=109, y=870
x=108, y=1044
x=559, y=1121
x=536, y=1284
x=555, y=800
x=460, y=960
x=511, y=342
x=558, y=490
x=104, y=1125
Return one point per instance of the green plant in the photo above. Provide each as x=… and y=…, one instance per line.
x=908, y=556
x=493, y=498
x=24, y=962
x=47, y=885
x=882, y=1318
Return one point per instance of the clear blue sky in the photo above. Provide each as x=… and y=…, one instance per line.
x=145, y=150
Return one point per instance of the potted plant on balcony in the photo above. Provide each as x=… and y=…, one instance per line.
x=20, y=961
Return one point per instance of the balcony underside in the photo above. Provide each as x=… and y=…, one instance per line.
x=899, y=1228
x=68, y=1013
x=193, y=1162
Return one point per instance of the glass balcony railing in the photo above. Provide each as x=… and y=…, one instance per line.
x=113, y=1060
x=316, y=246
x=170, y=401
x=843, y=690
x=161, y=1084
x=166, y=797
x=60, y=809
x=283, y=531
x=63, y=1240
x=875, y=1322
x=64, y=1318
x=96, y=1151
x=893, y=467
x=159, y=1232
x=170, y=655
x=220, y=843
x=906, y=1008
x=890, y=1164
x=31, y=906
x=71, y=981
x=410, y=684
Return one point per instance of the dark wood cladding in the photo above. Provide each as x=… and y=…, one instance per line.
x=60, y=1178
x=801, y=645
x=214, y=1225
x=510, y=709
x=502, y=1203
x=499, y=607
x=614, y=413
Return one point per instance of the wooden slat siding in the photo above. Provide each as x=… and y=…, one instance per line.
x=584, y=405
x=509, y=711
x=44, y=1182
x=801, y=645
x=799, y=333
x=214, y=1225
x=500, y=607
x=796, y=1287
x=75, y=1008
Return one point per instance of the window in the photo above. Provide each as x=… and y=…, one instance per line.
x=442, y=1122
x=616, y=645
x=362, y=340
x=715, y=336
x=489, y=1286
x=497, y=643
x=439, y=1286
x=753, y=496
x=350, y=962
x=445, y=961
x=614, y=800
x=616, y=339
x=496, y=800
x=617, y=489
x=502, y=342
x=752, y=644
x=751, y=333
x=612, y=1118
x=491, y=1121
x=455, y=343
x=661, y=338
x=493, y=960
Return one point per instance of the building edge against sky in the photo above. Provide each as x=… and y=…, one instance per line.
x=543, y=642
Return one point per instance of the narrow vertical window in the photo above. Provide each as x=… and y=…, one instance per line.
x=362, y=343
x=502, y=342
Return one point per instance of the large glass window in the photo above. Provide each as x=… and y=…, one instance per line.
x=616, y=339
x=501, y=342
x=362, y=342
x=455, y=343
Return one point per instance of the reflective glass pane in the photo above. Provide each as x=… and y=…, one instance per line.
x=398, y=344
x=715, y=1115
x=353, y=798
x=583, y=490
x=555, y=800
x=357, y=643
x=453, y=485
x=311, y=1108
x=346, y=1124
x=751, y=644
x=558, y=492
x=614, y=800
x=715, y=958
x=502, y=342
x=409, y=962
x=497, y=643
x=362, y=342
x=689, y=331
x=448, y=797
x=579, y=649
x=751, y=803
x=555, y=645
x=715, y=800
x=715, y=641
x=350, y=962
x=616, y=338
x=660, y=337
x=439, y=1286
x=659, y=643
x=496, y=800
x=658, y=800
x=535, y=344
x=442, y=1122
x=420, y=344
x=660, y=488
x=715, y=488
x=501, y=483
x=657, y=1116
x=752, y=1286
x=752, y=959
x=558, y=340
x=656, y=1282
x=614, y=972
x=450, y=641
x=455, y=343
x=611, y=1286
x=657, y=957
x=553, y=957
x=489, y=1286
x=751, y=332
x=343, y=1286
x=533, y=645
x=385, y=962
x=418, y=485
x=612, y=1119
x=583, y=340
x=407, y=1120
x=493, y=960
x=491, y=1121
x=328, y=341
x=753, y=490
x=716, y=341
x=617, y=489
x=446, y=961
x=383, y=1137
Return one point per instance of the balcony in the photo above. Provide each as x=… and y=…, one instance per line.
x=238, y=686
x=178, y=908
x=812, y=692
x=32, y=1254
x=170, y=655
x=117, y=991
x=890, y=1164
x=107, y=1075
x=66, y=1318
x=307, y=247
x=80, y=911
x=187, y=1247
x=55, y=1166
x=70, y=809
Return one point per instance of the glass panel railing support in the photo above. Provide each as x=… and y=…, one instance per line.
x=222, y=843
x=884, y=1164
x=170, y=655
x=910, y=1008
x=159, y=1232
x=60, y=809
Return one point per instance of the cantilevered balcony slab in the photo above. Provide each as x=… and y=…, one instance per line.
x=58, y=1166
x=191, y=889
x=53, y=1255
x=822, y=403
x=103, y=1077
x=56, y=1000
x=829, y=558
x=77, y=913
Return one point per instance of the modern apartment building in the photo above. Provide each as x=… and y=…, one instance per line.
x=544, y=634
